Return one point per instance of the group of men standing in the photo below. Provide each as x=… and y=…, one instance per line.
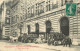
x=67, y=41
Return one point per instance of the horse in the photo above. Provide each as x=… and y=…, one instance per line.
x=67, y=41
x=13, y=39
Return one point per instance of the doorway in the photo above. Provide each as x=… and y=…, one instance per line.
x=0, y=34
x=48, y=29
x=29, y=29
x=64, y=26
x=37, y=29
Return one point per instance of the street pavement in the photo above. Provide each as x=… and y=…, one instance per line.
x=18, y=46
x=8, y=46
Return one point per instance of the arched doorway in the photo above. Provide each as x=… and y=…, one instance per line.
x=28, y=29
x=64, y=26
x=0, y=34
x=37, y=29
x=48, y=28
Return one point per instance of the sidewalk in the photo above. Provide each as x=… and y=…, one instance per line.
x=56, y=48
x=44, y=46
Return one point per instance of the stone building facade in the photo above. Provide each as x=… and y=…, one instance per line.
x=5, y=19
x=18, y=15
x=0, y=22
x=42, y=16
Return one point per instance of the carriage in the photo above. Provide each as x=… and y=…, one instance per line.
x=55, y=38
x=13, y=39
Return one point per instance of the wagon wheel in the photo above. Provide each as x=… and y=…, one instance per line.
x=55, y=43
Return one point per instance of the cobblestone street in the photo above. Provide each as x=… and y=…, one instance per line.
x=6, y=46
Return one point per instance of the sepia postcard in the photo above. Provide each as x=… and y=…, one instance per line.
x=39, y=25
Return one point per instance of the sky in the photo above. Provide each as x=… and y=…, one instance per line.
x=1, y=1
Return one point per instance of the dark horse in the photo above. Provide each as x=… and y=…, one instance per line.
x=67, y=41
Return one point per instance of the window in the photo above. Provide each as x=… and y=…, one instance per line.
x=65, y=1
x=68, y=1
x=32, y=11
x=29, y=12
x=62, y=3
x=16, y=18
x=8, y=11
x=54, y=5
x=7, y=21
x=41, y=7
x=37, y=9
x=12, y=20
x=48, y=8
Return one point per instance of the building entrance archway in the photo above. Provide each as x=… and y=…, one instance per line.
x=37, y=29
x=0, y=34
x=48, y=28
x=64, y=26
x=29, y=28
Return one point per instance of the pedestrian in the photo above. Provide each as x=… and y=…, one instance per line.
x=64, y=42
x=69, y=41
x=49, y=41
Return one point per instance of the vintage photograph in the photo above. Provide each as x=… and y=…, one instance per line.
x=39, y=25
